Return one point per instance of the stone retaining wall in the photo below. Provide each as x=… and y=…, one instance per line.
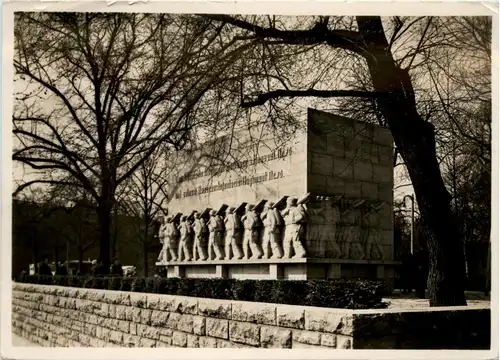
x=63, y=316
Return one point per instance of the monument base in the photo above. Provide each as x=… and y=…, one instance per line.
x=287, y=269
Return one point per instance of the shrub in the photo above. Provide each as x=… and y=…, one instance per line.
x=347, y=294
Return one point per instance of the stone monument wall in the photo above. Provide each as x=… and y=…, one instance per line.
x=75, y=317
x=353, y=160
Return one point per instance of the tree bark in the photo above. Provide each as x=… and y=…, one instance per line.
x=104, y=210
x=414, y=139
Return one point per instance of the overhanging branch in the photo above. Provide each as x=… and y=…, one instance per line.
x=261, y=99
x=319, y=34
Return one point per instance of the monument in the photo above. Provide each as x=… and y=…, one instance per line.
x=316, y=206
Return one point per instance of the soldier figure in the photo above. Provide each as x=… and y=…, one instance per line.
x=200, y=233
x=170, y=239
x=216, y=228
x=371, y=237
x=332, y=214
x=162, y=237
x=295, y=216
x=233, y=226
x=351, y=233
x=186, y=231
x=271, y=241
x=251, y=222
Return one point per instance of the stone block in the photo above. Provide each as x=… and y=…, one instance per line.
x=153, y=301
x=383, y=174
x=97, y=296
x=385, y=193
x=138, y=300
x=292, y=317
x=329, y=340
x=386, y=237
x=369, y=191
x=343, y=168
x=185, y=323
x=160, y=344
x=199, y=325
x=367, y=153
x=117, y=298
x=382, y=136
x=335, y=146
x=317, y=141
x=181, y=305
x=207, y=342
x=352, y=148
x=116, y=337
x=146, y=316
x=363, y=171
x=352, y=189
x=316, y=183
x=165, y=332
x=179, y=339
x=307, y=337
x=159, y=318
x=386, y=217
x=254, y=313
x=150, y=332
x=344, y=342
x=214, y=308
x=218, y=328
x=147, y=343
x=103, y=333
x=61, y=302
x=193, y=341
x=331, y=321
x=386, y=155
x=388, y=251
x=245, y=333
x=166, y=339
x=275, y=337
x=120, y=312
x=133, y=329
x=131, y=340
x=173, y=320
x=123, y=326
x=321, y=164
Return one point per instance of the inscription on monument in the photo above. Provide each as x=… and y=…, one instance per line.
x=242, y=181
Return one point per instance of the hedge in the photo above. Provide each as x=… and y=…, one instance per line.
x=338, y=293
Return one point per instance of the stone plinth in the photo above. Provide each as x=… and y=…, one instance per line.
x=289, y=269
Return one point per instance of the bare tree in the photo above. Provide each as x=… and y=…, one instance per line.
x=338, y=45
x=100, y=92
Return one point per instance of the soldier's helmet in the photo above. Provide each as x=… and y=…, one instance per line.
x=184, y=218
x=213, y=212
x=291, y=201
x=249, y=207
x=231, y=210
x=197, y=215
x=169, y=218
x=269, y=204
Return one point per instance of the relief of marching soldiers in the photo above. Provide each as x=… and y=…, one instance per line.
x=270, y=231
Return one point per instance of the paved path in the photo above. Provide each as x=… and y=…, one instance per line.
x=20, y=341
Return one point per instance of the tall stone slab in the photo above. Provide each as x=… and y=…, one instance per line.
x=346, y=166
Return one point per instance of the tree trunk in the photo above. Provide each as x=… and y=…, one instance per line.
x=145, y=249
x=80, y=259
x=415, y=141
x=104, y=209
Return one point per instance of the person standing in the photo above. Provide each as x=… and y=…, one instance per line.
x=116, y=268
x=44, y=268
